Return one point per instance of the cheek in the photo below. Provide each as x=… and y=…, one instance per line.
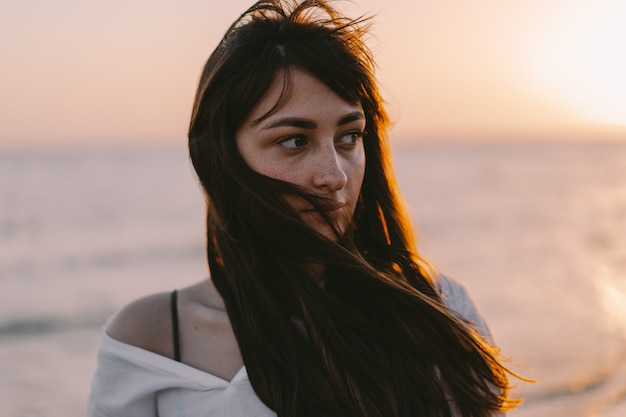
x=297, y=203
x=358, y=171
x=255, y=160
x=285, y=172
x=265, y=164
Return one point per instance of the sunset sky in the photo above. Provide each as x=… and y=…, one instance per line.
x=123, y=73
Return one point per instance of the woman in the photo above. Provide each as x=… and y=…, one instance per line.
x=318, y=304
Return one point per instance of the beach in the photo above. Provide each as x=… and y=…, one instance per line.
x=535, y=231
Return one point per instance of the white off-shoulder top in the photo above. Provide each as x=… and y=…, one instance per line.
x=134, y=382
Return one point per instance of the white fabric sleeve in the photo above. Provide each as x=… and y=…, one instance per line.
x=458, y=300
x=121, y=388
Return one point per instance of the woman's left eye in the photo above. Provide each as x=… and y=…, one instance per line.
x=351, y=138
x=293, y=142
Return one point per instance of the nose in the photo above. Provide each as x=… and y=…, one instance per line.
x=328, y=173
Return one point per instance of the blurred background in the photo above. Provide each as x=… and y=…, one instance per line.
x=509, y=139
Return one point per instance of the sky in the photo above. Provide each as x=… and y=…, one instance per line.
x=86, y=73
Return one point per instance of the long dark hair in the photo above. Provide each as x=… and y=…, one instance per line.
x=376, y=340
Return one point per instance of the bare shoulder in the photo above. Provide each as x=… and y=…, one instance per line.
x=145, y=323
x=206, y=338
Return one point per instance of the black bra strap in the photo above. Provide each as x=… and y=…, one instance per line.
x=174, y=310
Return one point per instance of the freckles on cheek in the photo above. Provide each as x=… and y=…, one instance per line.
x=275, y=169
x=260, y=164
x=269, y=169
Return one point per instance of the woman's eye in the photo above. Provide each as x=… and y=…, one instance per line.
x=293, y=142
x=351, y=138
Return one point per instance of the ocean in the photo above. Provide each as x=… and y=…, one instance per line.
x=536, y=231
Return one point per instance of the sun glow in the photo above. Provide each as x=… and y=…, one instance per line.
x=579, y=57
x=612, y=293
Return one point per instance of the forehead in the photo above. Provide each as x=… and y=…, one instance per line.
x=298, y=91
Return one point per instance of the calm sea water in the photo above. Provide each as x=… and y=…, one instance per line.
x=537, y=232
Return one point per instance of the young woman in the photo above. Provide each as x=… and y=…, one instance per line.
x=317, y=304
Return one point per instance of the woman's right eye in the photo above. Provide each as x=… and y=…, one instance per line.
x=293, y=143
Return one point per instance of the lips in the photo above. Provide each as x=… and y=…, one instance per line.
x=328, y=207
x=337, y=213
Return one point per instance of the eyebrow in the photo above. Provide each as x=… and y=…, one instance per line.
x=310, y=124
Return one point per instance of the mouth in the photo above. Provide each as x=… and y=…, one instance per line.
x=329, y=208
x=331, y=218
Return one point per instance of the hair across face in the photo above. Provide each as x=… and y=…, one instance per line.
x=314, y=139
x=266, y=44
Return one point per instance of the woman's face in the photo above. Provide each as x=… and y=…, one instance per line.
x=314, y=140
